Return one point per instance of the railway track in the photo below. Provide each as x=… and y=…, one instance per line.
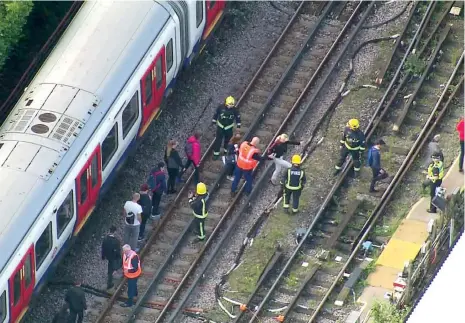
x=301, y=290
x=171, y=253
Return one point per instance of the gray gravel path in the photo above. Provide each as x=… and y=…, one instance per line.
x=229, y=62
x=321, y=177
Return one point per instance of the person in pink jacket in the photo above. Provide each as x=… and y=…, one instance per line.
x=193, y=153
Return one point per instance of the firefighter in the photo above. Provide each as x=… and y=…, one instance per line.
x=224, y=118
x=352, y=142
x=293, y=181
x=198, y=204
x=434, y=179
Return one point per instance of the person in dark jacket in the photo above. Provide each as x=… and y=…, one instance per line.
x=62, y=315
x=352, y=143
x=224, y=118
x=231, y=157
x=374, y=161
x=157, y=184
x=111, y=251
x=460, y=127
x=173, y=163
x=194, y=155
x=76, y=300
x=146, y=204
x=279, y=148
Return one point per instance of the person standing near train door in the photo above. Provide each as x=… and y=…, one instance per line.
x=224, y=118
x=111, y=251
x=194, y=155
x=157, y=184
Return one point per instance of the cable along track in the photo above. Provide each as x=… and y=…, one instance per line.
x=326, y=249
x=171, y=254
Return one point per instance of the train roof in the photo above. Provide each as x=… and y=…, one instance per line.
x=68, y=98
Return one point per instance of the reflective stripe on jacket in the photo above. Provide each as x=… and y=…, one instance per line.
x=440, y=174
x=353, y=139
x=245, y=160
x=199, y=206
x=295, y=178
x=127, y=265
x=224, y=117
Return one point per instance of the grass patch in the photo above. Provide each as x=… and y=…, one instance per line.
x=217, y=315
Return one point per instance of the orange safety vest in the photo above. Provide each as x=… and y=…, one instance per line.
x=127, y=265
x=245, y=160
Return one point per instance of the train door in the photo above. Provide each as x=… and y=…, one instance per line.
x=153, y=86
x=213, y=10
x=88, y=185
x=21, y=286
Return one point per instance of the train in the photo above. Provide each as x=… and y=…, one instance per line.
x=89, y=104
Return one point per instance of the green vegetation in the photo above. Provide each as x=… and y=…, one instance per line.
x=385, y=312
x=13, y=17
x=415, y=64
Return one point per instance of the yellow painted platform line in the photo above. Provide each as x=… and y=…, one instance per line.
x=397, y=252
x=411, y=231
x=383, y=277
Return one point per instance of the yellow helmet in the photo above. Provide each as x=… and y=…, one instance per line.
x=230, y=102
x=353, y=124
x=201, y=189
x=296, y=160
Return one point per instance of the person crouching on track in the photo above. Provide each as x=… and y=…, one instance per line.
x=249, y=156
x=173, y=164
x=434, y=179
x=194, y=154
x=224, y=118
x=230, y=159
x=132, y=271
x=199, y=207
x=279, y=148
x=352, y=142
x=157, y=184
x=293, y=182
x=374, y=161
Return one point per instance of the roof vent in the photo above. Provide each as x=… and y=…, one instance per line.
x=39, y=128
x=47, y=117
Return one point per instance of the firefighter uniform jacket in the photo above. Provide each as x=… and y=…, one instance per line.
x=436, y=171
x=224, y=117
x=353, y=139
x=294, y=179
x=199, y=206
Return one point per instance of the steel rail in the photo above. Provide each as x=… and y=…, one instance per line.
x=205, y=157
x=430, y=124
x=263, y=178
x=340, y=179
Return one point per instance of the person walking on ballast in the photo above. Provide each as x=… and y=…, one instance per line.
x=374, y=161
x=224, y=118
x=293, y=182
x=230, y=159
x=76, y=300
x=279, y=148
x=132, y=271
x=199, y=207
x=249, y=156
x=352, y=142
x=146, y=203
x=133, y=215
x=434, y=179
x=173, y=164
x=111, y=251
x=193, y=153
x=157, y=184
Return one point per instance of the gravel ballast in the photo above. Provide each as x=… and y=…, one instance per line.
x=237, y=50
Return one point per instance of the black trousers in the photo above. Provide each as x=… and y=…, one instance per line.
x=461, y=155
x=432, y=193
x=172, y=175
x=355, y=157
x=378, y=175
x=220, y=135
x=156, y=198
x=73, y=315
x=199, y=228
x=295, y=199
x=196, y=171
x=113, y=265
x=143, y=223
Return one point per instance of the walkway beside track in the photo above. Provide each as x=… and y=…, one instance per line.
x=405, y=244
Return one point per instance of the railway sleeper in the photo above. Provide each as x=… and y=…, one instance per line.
x=350, y=283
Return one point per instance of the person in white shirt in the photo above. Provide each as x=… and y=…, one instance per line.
x=133, y=214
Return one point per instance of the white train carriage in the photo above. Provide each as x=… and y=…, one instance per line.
x=98, y=91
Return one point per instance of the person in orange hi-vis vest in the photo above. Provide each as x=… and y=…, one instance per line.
x=132, y=271
x=249, y=156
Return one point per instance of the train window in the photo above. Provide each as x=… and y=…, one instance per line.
x=110, y=145
x=148, y=88
x=65, y=213
x=83, y=187
x=159, y=73
x=212, y=4
x=27, y=272
x=199, y=12
x=43, y=245
x=3, y=307
x=130, y=114
x=17, y=287
x=94, y=170
x=169, y=55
